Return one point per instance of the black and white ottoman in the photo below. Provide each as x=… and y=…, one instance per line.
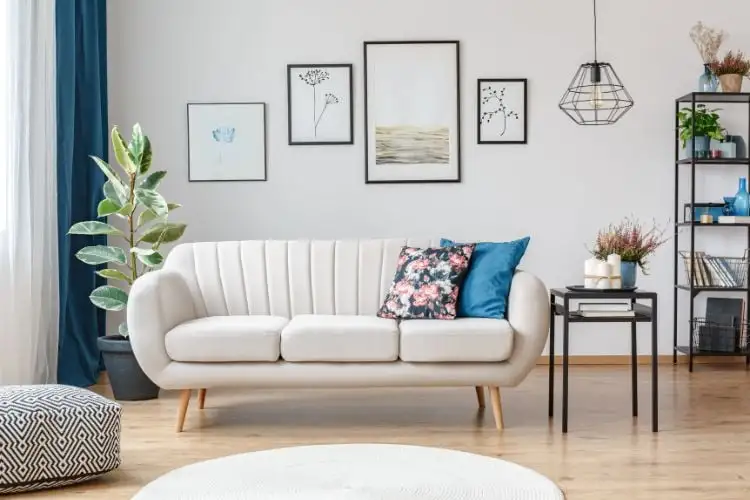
x=55, y=435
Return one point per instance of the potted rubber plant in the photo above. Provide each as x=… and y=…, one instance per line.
x=697, y=129
x=731, y=70
x=131, y=196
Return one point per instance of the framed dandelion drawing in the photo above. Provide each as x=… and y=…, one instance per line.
x=226, y=141
x=412, y=112
x=320, y=104
x=501, y=111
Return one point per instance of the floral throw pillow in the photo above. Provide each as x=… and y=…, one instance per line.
x=426, y=283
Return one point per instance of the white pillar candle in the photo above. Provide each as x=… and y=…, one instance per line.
x=589, y=282
x=614, y=260
x=603, y=284
x=590, y=266
x=603, y=270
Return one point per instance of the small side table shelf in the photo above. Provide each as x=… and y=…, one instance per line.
x=560, y=306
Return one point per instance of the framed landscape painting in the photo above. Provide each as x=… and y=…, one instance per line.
x=226, y=141
x=320, y=104
x=501, y=111
x=412, y=112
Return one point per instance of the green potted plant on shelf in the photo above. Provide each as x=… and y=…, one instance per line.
x=697, y=129
x=731, y=70
x=131, y=197
x=633, y=242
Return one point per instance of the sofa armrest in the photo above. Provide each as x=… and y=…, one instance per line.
x=159, y=301
x=528, y=315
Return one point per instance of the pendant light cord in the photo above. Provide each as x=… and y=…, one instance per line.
x=595, y=55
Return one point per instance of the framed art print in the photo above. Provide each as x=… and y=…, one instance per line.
x=226, y=141
x=501, y=111
x=320, y=104
x=412, y=111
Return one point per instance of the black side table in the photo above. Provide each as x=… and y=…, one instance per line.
x=560, y=306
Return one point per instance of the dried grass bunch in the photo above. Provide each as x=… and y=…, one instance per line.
x=734, y=63
x=630, y=240
x=708, y=41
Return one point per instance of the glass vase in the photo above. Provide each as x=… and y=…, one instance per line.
x=741, y=205
x=707, y=82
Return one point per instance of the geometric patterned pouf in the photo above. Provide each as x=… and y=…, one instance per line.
x=55, y=435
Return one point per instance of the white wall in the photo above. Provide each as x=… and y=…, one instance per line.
x=560, y=188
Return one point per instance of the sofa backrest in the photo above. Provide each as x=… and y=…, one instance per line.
x=286, y=278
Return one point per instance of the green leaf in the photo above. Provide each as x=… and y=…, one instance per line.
x=123, y=329
x=148, y=216
x=152, y=200
x=117, y=184
x=114, y=274
x=107, y=207
x=173, y=206
x=121, y=152
x=125, y=210
x=111, y=194
x=102, y=254
x=109, y=297
x=146, y=158
x=148, y=256
x=93, y=227
x=136, y=144
x=153, y=180
x=164, y=233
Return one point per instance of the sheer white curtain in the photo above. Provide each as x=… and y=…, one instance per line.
x=28, y=200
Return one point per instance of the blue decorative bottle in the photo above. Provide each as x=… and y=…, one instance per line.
x=742, y=200
x=707, y=82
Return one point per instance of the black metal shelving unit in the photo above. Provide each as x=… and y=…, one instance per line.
x=693, y=99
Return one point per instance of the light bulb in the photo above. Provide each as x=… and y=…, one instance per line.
x=595, y=98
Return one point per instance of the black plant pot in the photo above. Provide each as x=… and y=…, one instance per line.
x=128, y=381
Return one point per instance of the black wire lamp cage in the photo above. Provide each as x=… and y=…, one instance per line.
x=596, y=95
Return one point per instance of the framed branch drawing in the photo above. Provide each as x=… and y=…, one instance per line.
x=412, y=112
x=226, y=141
x=501, y=111
x=320, y=104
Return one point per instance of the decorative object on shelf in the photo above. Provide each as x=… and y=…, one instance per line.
x=595, y=95
x=632, y=242
x=718, y=272
x=226, y=141
x=739, y=142
x=597, y=274
x=728, y=208
x=728, y=149
x=697, y=129
x=731, y=70
x=707, y=219
x=501, y=111
x=412, y=112
x=133, y=198
x=741, y=205
x=708, y=41
x=615, y=271
x=319, y=104
x=715, y=210
x=715, y=154
x=734, y=219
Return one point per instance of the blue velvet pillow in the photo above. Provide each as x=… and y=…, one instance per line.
x=484, y=292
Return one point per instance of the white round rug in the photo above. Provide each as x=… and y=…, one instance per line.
x=352, y=472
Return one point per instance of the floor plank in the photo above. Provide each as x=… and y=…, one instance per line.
x=701, y=452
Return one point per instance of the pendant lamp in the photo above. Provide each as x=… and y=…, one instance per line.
x=596, y=96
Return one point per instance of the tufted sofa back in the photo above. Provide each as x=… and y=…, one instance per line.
x=286, y=278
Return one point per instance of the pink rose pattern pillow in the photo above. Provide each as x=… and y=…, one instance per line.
x=426, y=283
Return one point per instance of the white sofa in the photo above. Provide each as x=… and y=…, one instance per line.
x=284, y=314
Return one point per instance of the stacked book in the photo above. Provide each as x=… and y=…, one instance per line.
x=711, y=271
x=606, y=310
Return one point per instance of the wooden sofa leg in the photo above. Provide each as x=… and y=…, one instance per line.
x=480, y=395
x=201, y=398
x=497, y=407
x=182, y=411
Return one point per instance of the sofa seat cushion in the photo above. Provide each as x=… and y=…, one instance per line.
x=460, y=340
x=217, y=339
x=339, y=338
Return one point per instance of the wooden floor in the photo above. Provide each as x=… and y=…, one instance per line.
x=702, y=451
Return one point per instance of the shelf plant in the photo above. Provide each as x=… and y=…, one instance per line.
x=699, y=127
x=731, y=70
x=131, y=197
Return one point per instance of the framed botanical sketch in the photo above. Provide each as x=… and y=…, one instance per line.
x=501, y=111
x=412, y=112
x=226, y=141
x=320, y=104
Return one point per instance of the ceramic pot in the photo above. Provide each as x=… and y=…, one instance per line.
x=731, y=83
x=702, y=146
x=128, y=381
x=629, y=273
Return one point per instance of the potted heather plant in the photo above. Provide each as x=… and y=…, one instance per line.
x=731, y=70
x=633, y=242
x=697, y=129
x=131, y=196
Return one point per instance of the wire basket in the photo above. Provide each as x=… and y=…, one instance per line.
x=720, y=337
x=713, y=271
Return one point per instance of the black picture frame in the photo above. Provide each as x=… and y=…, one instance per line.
x=265, y=139
x=523, y=81
x=367, y=44
x=291, y=141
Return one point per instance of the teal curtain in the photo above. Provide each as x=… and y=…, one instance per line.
x=81, y=29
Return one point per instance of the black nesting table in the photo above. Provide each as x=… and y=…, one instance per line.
x=560, y=306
